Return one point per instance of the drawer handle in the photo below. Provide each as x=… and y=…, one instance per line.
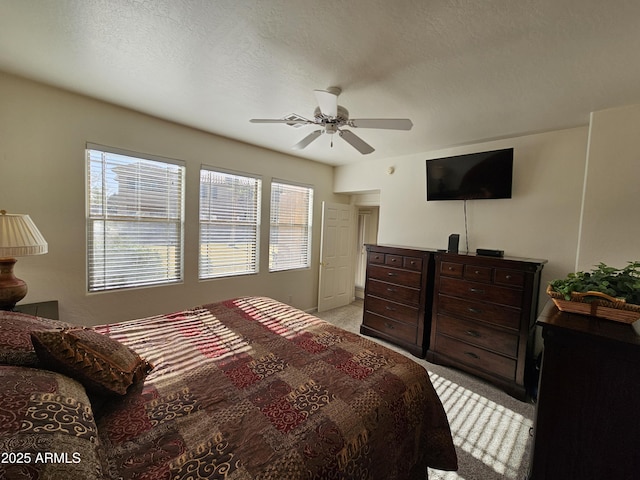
x=473, y=333
x=472, y=355
x=388, y=325
x=477, y=290
x=451, y=269
x=508, y=277
x=391, y=274
x=474, y=310
x=392, y=290
x=477, y=272
x=391, y=309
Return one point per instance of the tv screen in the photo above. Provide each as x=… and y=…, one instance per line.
x=480, y=175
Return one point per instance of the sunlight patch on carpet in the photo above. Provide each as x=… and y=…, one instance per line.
x=488, y=431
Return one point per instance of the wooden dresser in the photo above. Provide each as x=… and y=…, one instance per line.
x=398, y=292
x=484, y=310
x=587, y=421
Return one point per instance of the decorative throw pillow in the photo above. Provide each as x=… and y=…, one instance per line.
x=103, y=365
x=48, y=430
x=15, y=337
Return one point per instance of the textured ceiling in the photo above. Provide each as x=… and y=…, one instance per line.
x=463, y=71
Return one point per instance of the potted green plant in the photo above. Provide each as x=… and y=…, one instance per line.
x=606, y=292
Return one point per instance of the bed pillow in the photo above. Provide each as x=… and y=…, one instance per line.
x=47, y=430
x=15, y=336
x=103, y=365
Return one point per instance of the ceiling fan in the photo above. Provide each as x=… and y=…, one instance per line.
x=332, y=118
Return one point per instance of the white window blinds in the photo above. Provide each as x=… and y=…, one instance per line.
x=135, y=220
x=229, y=224
x=290, y=232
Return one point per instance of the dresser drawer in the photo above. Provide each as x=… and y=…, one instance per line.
x=478, y=334
x=399, y=330
x=481, y=291
x=375, y=257
x=512, y=278
x=412, y=263
x=394, y=292
x=476, y=273
x=393, y=260
x=488, y=312
x=395, y=275
x=476, y=357
x=393, y=310
x=451, y=269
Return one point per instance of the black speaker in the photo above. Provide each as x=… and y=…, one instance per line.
x=454, y=240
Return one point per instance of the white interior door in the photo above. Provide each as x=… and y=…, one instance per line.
x=336, y=283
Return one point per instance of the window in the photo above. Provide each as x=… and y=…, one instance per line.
x=290, y=233
x=229, y=224
x=135, y=220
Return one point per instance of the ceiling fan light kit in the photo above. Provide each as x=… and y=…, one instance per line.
x=332, y=118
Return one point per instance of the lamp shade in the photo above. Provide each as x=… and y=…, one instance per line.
x=19, y=236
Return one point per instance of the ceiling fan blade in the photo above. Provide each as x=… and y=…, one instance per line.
x=279, y=120
x=356, y=142
x=307, y=140
x=328, y=102
x=388, y=123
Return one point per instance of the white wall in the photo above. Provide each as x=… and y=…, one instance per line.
x=575, y=197
x=43, y=132
x=611, y=217
x=540, y=221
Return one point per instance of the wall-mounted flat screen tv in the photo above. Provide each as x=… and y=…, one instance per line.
x=481, y=175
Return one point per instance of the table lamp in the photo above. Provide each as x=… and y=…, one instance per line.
x=19, y=237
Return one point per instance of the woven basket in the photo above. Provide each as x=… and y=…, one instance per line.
x=605, y=306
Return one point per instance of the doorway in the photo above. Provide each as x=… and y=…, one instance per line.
x=367, y=232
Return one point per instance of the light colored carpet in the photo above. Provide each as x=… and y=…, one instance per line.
x=491, y=430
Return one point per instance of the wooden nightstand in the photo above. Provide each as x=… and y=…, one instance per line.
x=40, y=309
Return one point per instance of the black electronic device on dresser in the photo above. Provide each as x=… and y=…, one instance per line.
x=483, y=317
x=398, y=293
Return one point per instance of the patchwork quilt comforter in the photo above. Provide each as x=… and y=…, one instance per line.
x=251, y=388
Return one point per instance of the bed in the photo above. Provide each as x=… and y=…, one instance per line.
x=248, y=388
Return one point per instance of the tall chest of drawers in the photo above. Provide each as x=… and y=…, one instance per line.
x=587, y=424
x=398, y=293
x=484, y=311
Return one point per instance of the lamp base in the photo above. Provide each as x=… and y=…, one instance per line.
x=12, y=289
